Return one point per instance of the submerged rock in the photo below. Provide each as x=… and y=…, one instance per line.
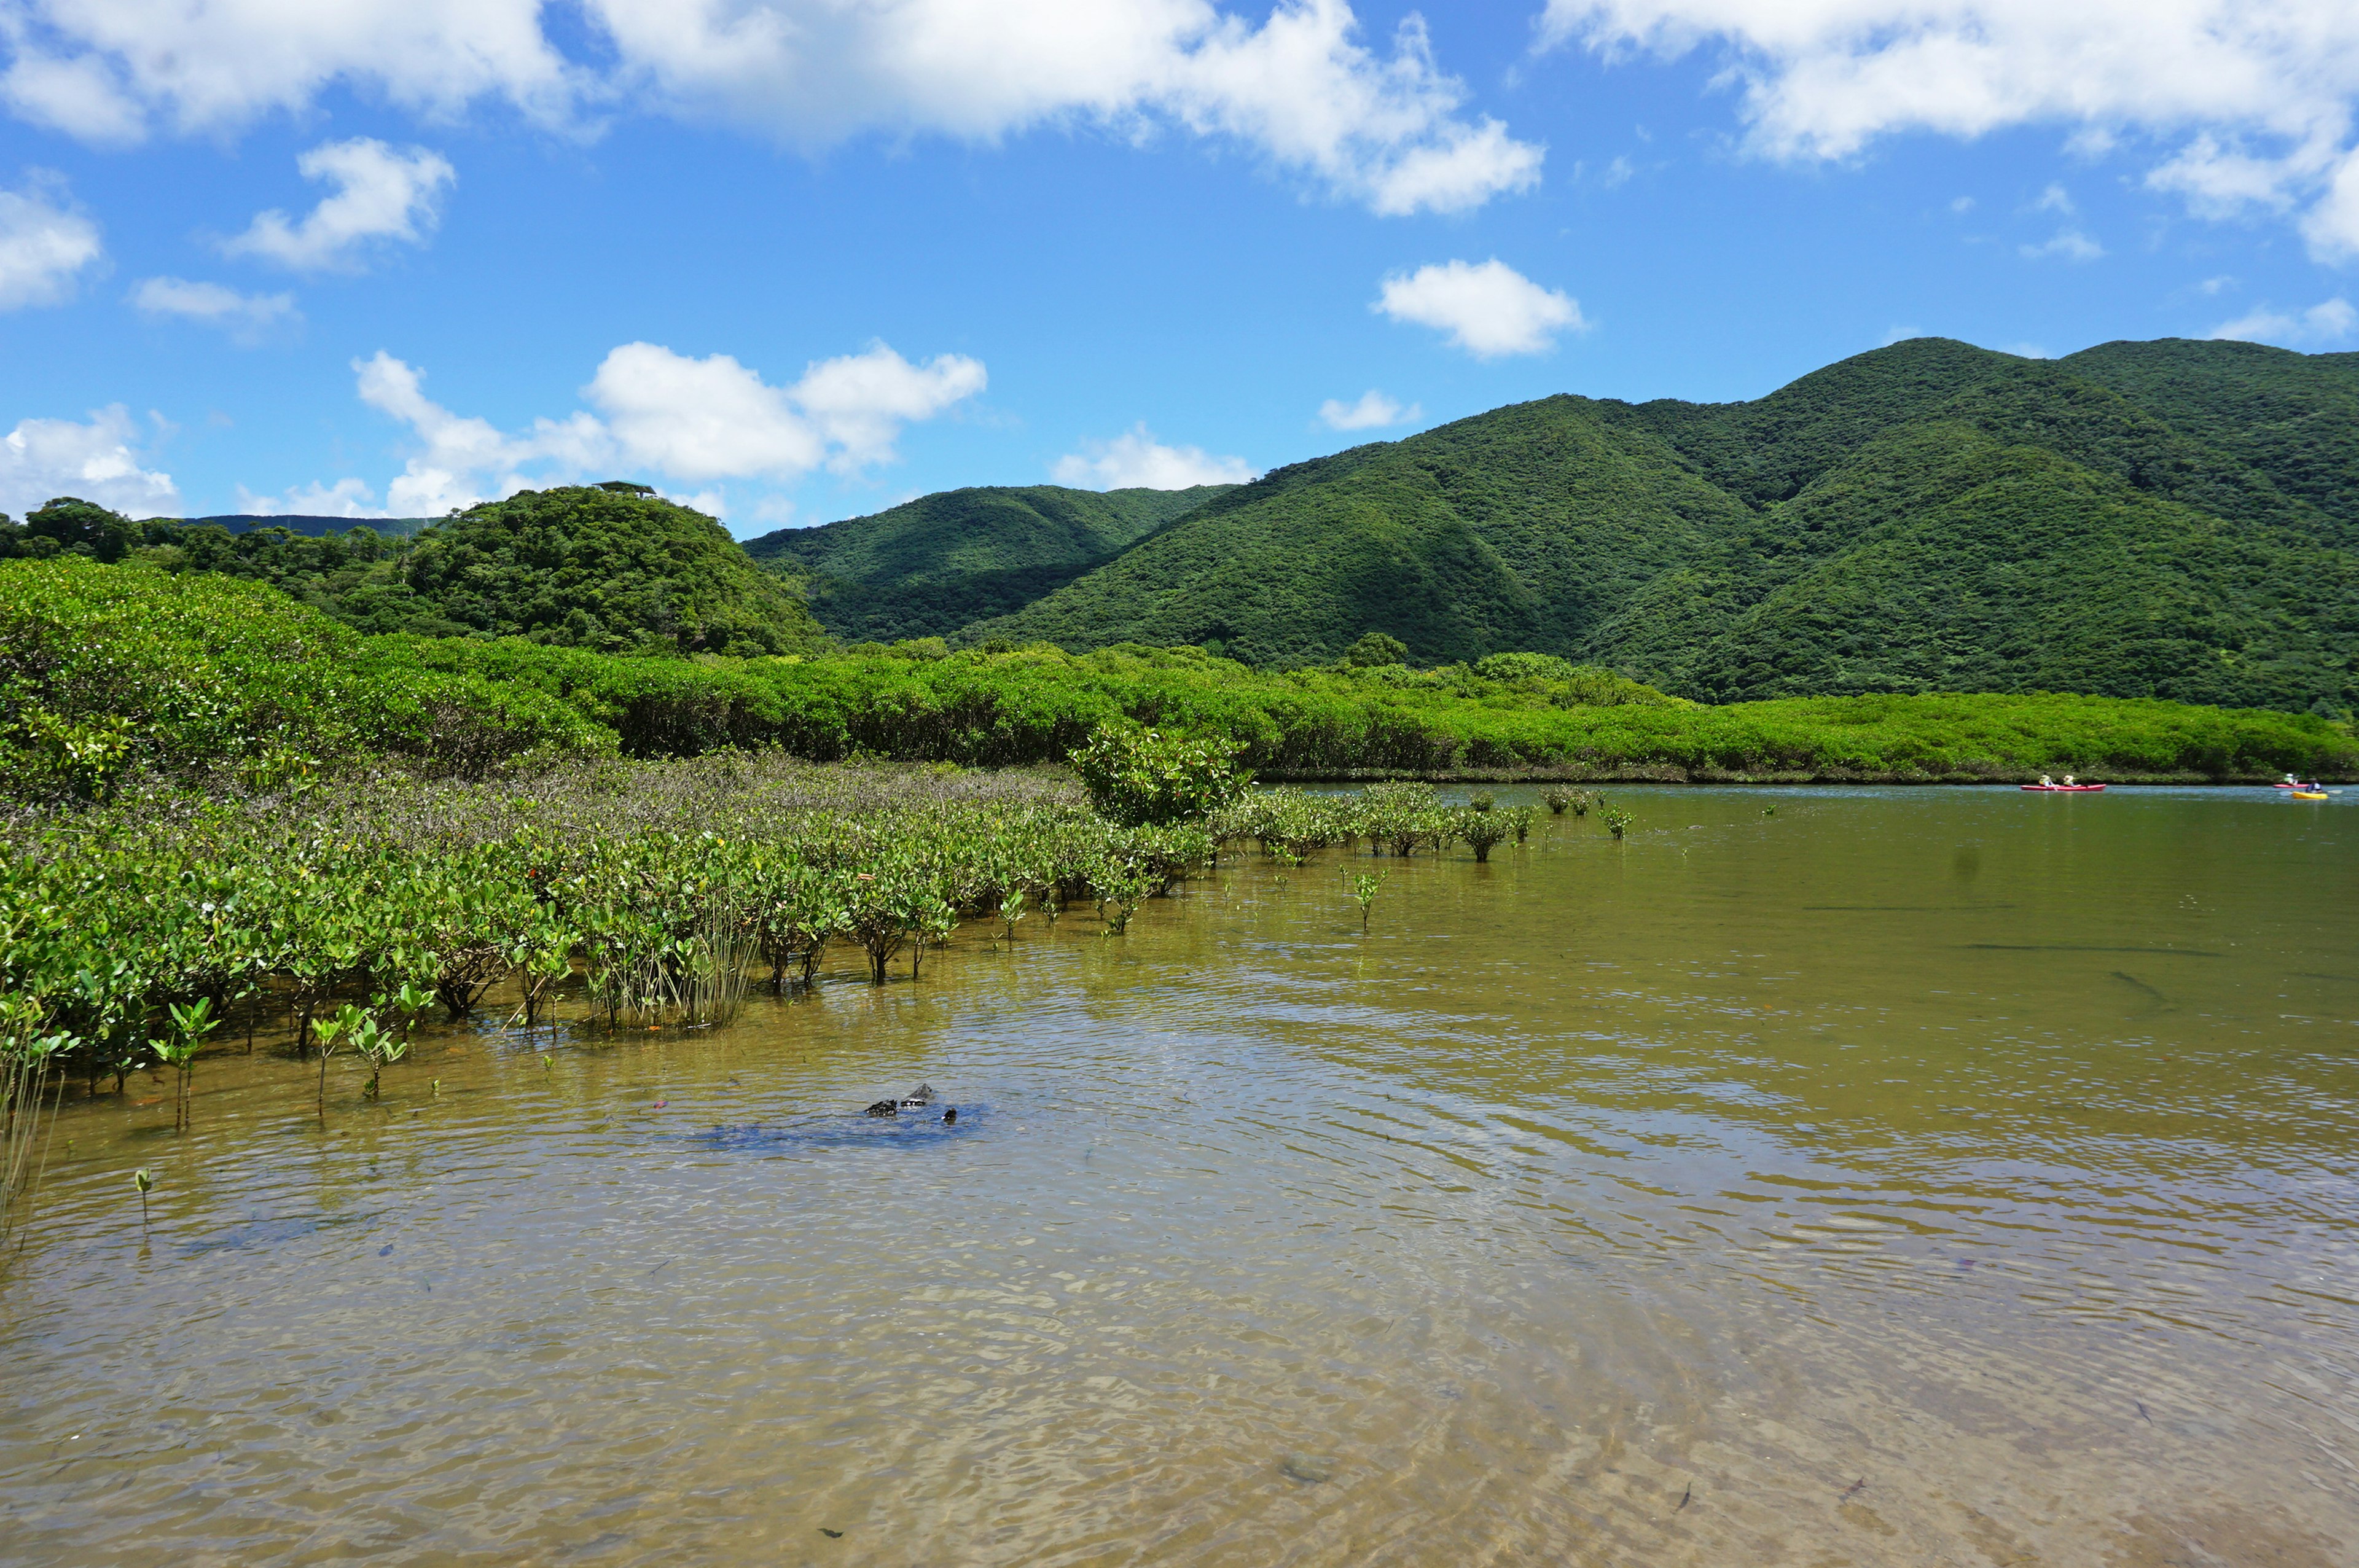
x=884, y=1108
x=1307, y=1469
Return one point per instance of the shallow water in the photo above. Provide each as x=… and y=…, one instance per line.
x=1908, y=1177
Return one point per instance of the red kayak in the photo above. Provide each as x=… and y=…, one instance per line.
x=2064, y=789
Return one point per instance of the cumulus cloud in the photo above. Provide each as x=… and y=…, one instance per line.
x=345, y=498
x=1301, y=88
x=2320, y=326
x=2071, y=244
x=1372, y=411
x=97, y=460
x=669, y=415
x=1489, y=310
x=381, y=194
x=1136, y=460
x=858, y=402
x=45, y=244
x=246, y=317
x=115, y=69
x=2258, y=101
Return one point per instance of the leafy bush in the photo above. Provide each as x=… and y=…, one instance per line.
x=1138, y=777
x=108, y=671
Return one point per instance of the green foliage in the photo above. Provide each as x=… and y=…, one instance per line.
x=1480, y=829
x=107, y=671
x=611, y=566
x=929, y=567
x=656, y=884
x=1138, y=777
x=1374, y=649
x=2174, y=520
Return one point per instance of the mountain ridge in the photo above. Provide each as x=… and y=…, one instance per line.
x=2173, y=518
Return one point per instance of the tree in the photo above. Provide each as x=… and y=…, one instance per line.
x=1373, y=649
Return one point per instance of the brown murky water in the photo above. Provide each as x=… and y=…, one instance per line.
x=1909, y=1177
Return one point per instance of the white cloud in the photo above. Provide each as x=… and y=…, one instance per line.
x=382, y=193
x=345, y=498
x=111, y=70
x=2069, y=244
x=1299, y=88
x=714, y=418
x=245, y=316
x=1962, y=204
x=1136, y=460
x=2055, y=199
x=44, y=244
x=666, y=413
x=1489, y=310
x=700, y=419
x=2321, y=325
x=2260, y=98
x=2026, y=352
x=1372, y=411
x=41, y=460
x=859, y=402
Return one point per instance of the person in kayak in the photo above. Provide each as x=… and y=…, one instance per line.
x=2068, y=782
x=2046, y=783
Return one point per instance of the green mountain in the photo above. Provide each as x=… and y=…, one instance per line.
x=929, y=566
x=2175, y=519
x=612, y=567
x=312, y=527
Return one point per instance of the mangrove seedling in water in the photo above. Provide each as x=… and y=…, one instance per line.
x=143, y=1181
x=1557, y=799
x=1480, y=829
x=378, y=1047
x=1617, y=822
x=1011, y=910
x=1364, y=887
x=327, y=1032
x=1481, y=801
x=190, y=1025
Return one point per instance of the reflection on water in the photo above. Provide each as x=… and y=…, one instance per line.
x=1906, y=1176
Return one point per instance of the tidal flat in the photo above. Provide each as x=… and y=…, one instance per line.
x=1881, y=1176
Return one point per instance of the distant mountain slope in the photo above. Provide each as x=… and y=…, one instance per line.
x=930, y=566
x=312, y=527
x=2169, y=519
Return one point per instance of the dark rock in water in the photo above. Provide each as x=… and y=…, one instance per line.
x=883, y=1107
x=950, y=1117
x=1307, y=1469
x=919, y=1097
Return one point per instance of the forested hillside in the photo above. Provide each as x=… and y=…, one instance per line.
x=610, y=567
x=929, y=566
x=2172, y=519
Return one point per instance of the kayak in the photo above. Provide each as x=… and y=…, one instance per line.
x=2309, y=795
x=2064, y=789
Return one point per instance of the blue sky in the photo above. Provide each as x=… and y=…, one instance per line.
x=800, y=259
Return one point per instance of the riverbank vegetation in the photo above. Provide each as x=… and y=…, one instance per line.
x=144, y=932
x=110, y=675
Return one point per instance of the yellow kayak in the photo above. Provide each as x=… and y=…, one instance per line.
x=2307, y=793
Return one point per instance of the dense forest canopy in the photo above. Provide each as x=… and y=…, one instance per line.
x=2173, y=519
x=932, y=566
x=611, y=566
x=113, y=676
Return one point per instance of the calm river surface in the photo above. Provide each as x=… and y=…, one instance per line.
x=1910, y=1176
